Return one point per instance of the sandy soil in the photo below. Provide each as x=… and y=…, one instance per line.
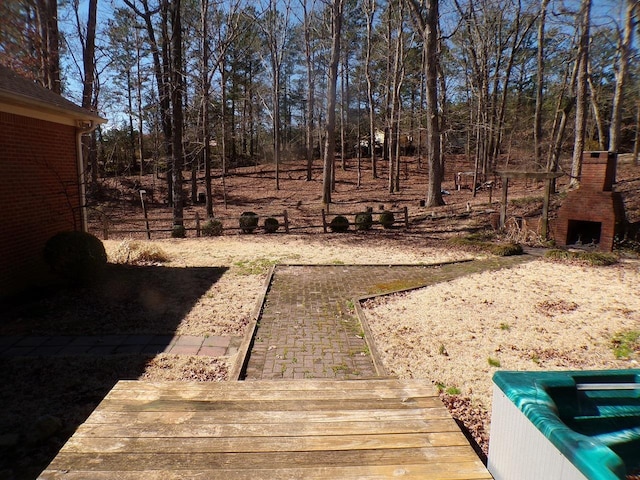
x=538, y=316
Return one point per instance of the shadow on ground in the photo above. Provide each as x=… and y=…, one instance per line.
x=37, y=393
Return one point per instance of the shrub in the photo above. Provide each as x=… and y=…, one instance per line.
x=387, y=219
x=364, y=221
x=339, y=224
x=212, y=228
x=248, y=222
x=178, y=231
x=76, y=256
x=271, y=225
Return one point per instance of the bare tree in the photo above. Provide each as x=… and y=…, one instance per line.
x=49, y=51
x=537, y=117
x=86, y=33
x=275, y=28
x=160, y=56
x=397, y=77
x=332, y=81
x=426, y=18
x=584, y=18
x=621, y=72
x=310, y=110
x=369, y=7
x=177, y=86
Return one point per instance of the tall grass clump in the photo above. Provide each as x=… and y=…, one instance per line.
x=593, y=259
x=482, y=242
x=132, y=252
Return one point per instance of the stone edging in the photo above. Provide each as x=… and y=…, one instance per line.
x=247, y=342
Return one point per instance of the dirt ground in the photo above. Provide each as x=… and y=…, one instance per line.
x=540, y=315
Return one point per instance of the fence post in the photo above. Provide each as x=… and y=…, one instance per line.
x=144, y=210
x=406, y=217
x=286, y=221
x=324, y=222
x=197, y=224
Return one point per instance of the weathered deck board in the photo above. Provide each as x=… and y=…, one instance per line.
x=252, y=430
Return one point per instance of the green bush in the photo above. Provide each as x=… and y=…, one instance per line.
x=339, y=224
x=178, y=231
x=248, y=222
x=387, y=219
x=364, y=221
x=271, y=225
x=212, y=228
x=76, y=256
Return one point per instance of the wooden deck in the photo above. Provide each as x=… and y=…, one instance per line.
x=309, y=429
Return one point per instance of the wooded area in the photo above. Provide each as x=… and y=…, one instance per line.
x=196, y=85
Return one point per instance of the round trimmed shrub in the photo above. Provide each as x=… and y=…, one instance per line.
x=212, y=228
x=76, y=256
x=271, y=225
x=339, y=224
x=178, y=231
x=387, y=219
x=364, y=221
x=248, y=222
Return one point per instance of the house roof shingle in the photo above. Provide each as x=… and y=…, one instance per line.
x=19, y=90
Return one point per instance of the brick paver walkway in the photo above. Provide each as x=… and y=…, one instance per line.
x=69, y=345
x=309, y=328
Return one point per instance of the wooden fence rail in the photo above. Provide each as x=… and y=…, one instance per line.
x=148, y=225
x=164, y=224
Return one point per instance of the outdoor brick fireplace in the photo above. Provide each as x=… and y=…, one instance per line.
x=593, y=214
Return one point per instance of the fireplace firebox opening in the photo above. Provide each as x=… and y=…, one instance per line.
x=581, y=232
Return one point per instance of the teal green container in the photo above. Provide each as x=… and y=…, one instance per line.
x=592, y=418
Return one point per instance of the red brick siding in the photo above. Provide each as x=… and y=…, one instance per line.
x=39, y=194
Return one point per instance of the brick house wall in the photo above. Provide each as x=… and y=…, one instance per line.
x=39, y=194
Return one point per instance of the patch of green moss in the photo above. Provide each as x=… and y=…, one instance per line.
x=626, y=344
x=258, y=266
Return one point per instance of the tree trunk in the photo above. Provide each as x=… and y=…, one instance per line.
x=537, y=117
x=624, y=55
x=204, y=79
x=332, y=81
x=581, y=93
x=370, y=12
x=429, y=31
x=176, y=104
x=595, y=108
x=49, y=51
x=88, y=82
x=310, y=93
x=160, y=56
